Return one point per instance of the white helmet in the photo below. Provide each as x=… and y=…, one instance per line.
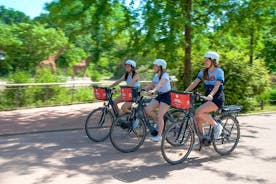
x=213, y=55
x=131, y=62
x=160, y=62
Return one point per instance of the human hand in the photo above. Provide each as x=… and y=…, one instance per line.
x=208, y=98
x=151, y=92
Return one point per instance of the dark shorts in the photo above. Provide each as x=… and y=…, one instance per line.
x=218, y=98
x=164, y=97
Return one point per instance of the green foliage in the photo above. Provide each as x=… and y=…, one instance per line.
x=244, y=84
x=18, y=96
x=10, y=16
x=25, y=45
x=113, y=31
x=272, y=95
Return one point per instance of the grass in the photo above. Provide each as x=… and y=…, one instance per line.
x=267, y=108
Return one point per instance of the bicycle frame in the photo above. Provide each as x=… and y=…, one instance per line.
x=135, y=113
x=107, y=107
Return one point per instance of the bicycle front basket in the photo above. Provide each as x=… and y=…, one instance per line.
x=180, y=100
x=129, y=94
x=101, y=93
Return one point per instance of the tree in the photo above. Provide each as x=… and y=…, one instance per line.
x=27, y=44
x=10, y=16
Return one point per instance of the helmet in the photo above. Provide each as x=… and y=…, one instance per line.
x=213, y=55
x=131, y=62
x=160, y=62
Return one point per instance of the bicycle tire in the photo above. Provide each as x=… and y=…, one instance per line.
x=97, y=124
x=126, y=138
x=229, y=137
x=183, y=143
x=176, y=114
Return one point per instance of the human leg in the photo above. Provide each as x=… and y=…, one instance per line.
x=163, y=108
x=126, y=107
x=116, y=101
x=202, y=114
x=150, y=108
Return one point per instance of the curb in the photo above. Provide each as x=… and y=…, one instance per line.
x=257, y=113
x=38, y=132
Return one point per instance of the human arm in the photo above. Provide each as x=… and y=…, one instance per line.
x=134, y=79
x=193, y=85
x=117, y=82
x=214, y=91
x=159, y=85
x=148, y=86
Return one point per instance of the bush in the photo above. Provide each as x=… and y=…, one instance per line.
x=272, y=96
x=47, y=94
x=245, y=84
x=18, y=96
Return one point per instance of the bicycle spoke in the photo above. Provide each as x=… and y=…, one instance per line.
x=98, y=123
x=229, y=137
x=124, y=136
x=177, y=143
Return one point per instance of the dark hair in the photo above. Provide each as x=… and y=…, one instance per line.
x=133, y=73
x=205, y=70
x=162, y=71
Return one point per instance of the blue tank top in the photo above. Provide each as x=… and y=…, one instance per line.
x=129, y=79
x=167, y=85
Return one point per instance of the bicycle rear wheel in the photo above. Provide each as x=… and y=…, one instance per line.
x=98, y=123
x=127, y=136
x=229, y=137
x=177, y=142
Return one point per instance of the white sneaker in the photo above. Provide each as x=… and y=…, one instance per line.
x=217, y=130
x=135, y=124
x=196, y=145
x=156, y=138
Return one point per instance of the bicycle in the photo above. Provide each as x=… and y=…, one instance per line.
x=128, y=131
x=182, y=133
x=98, y=122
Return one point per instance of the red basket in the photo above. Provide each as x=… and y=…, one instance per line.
x=180, y=100
x=101, y=93
x=129, y=94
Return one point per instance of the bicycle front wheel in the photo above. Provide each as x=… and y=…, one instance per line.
x=98, y=123
x=177, y=142
x=229, y=137
x=127, y=134
x=172, y=116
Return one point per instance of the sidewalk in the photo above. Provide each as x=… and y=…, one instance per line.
x=49, y=119
x=45, y=119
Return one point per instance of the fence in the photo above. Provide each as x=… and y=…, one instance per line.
x=14, y=96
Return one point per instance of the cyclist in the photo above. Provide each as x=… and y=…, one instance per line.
x=213, y=78
x=161, y=85
x=132, y=79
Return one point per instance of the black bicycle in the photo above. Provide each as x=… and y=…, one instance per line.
x=178, y=140
x=128, y=131
x=98, y=122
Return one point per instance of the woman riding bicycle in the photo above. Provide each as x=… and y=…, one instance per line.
x=132, y=79
x=213, y=78
x=161, y=85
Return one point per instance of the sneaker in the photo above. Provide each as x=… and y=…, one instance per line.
x=156, y=138
x=217, y=130
x=135, y=123
x=196, y=145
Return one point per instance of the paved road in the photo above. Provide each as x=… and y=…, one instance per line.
x=68, y=156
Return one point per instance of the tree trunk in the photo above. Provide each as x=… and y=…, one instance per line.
x=188, y=42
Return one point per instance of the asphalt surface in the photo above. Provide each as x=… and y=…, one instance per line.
x=49, y=145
